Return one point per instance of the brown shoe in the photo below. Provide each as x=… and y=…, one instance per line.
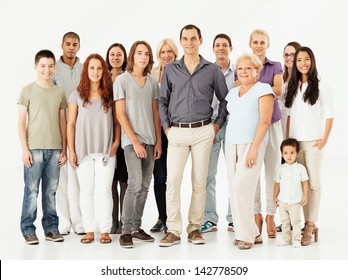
x=271, y=227
x=105, y=238
x=169, y=240
x=196, y=237
x=308, y=233
x=126, y=240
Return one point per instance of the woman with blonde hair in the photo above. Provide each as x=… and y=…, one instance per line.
x=167, y=52
x=250, y=106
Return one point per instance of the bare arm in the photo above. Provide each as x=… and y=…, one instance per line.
x=126, y=126
x=62, y=127
x=157, y=122
x=265, y=111
x=72, y=115
x=327, y=130
x=278, y=85
x=117, y=133
x=305, y=188
x=276, y=193
x=27, y=158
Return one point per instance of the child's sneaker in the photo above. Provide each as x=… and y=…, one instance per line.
x=283, y=242
x=208, y=226
x=297, y=244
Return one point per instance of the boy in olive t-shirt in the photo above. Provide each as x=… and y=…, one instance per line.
x=42, y=133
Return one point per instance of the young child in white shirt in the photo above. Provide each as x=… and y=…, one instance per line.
x=290, y=192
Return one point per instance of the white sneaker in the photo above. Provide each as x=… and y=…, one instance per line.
x=283, y=243
x=297, y=244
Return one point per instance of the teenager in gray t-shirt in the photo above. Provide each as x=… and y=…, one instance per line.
x=136, y=94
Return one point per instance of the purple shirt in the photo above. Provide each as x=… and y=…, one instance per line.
x=268, y=71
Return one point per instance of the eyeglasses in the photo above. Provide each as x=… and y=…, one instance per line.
x=286, y=55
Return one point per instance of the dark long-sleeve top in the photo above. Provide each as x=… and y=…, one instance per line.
x=187, y=98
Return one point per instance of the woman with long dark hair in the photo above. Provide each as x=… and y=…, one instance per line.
x=310, y=122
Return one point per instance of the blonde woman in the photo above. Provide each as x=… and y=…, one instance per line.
x=250, y=106
x=167, y=52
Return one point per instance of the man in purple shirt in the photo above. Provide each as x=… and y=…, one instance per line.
x=187, y=91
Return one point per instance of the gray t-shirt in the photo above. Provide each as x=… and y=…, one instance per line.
x=138, y=107
x=67, y=78
x=94, y=128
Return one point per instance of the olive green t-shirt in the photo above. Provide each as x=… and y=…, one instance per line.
x=43, y=106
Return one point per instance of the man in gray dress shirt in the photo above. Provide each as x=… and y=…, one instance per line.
x=187, y=90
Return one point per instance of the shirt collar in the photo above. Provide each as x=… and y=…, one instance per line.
x=66, y=65
x=269, y=61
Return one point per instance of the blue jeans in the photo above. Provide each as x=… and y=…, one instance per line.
x=210, y=213
x=139, y=179
x=45, y=169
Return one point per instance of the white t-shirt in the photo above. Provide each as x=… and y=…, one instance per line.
x=244, y=113
x=307, y=121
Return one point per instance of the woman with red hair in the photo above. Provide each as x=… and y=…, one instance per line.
x=92, y=145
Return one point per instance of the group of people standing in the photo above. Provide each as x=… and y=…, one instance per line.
x=128, y=120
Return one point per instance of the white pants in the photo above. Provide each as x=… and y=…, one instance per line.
x=242, y=183
x=272, y=162
x=68, y=201
x=95, y=180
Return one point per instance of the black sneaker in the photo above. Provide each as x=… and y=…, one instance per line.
x=31, y=239
x=126, y=240
x=230, y=227
x=141, y=235
x=54, y=236
x=158, y=227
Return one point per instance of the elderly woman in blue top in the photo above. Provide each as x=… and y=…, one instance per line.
x=250, y=106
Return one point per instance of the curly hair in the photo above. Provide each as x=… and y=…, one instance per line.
x=311, y=94
x=84, y=87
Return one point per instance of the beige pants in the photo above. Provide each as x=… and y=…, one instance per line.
x=242, y=183
x=182, y=142
x=290, y=215
x=312, y=159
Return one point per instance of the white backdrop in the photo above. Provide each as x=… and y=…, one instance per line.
x=28, y=26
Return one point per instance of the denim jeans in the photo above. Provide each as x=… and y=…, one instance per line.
x=139, y=179
x=44, y=169
x=160, y=180
x=210, y=212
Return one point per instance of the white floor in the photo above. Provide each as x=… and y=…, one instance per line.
x=332, y=245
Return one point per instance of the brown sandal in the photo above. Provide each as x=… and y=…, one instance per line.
x=105, y=238
x=87, y=239
x=271, y=227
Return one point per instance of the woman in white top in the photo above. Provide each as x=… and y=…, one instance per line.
x=167, y=52
x=310, y=122
x=250, y=106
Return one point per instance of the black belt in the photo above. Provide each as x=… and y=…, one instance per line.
x=190, y=125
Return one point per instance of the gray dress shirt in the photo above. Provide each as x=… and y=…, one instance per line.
x=188, y=98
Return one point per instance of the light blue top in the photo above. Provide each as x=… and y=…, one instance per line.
x=244, y=113
x=290, y=178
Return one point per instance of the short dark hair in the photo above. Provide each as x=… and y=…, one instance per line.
x=44, y=53
x=191, y=26
x=290, y=142
x=225, y=36
x=71, y=34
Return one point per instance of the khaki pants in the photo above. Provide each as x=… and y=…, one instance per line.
x=182, y=142
x=290, y=215
x=242, y=183
x=312, y=159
